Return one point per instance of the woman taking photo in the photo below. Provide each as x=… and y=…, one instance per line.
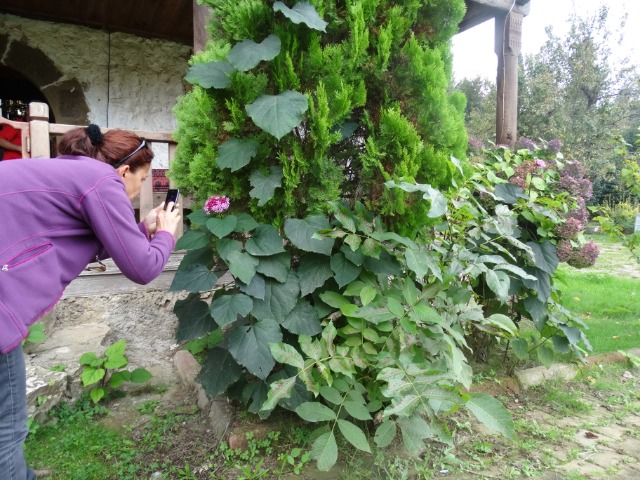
x=57, y=216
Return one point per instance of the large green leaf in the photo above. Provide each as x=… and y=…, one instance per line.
x=140, y=375
x=198, y=217
x=218, y=372
x=246, y=223
x=242, y=266
x=221, y=227
x=264, y=187
x=503, y=322
x=193, y=239
x=279, y=299
x=314, y=271
x=287, y=354
x=203, y=256
x=91, y=375
x=325, y=451
x=275, y=266
x=194, y=319
x=211, y=74
x=194, y=278
x=226, y=308
x=247, y=54
x=315, y=412
x=542, y=285
x=546, y=256
x=498, y=282
x=236, y=153
x=227, y=246
x=278, y=114
x=301, y=231
x=302, y=12
x=279, y=390
x=385, y=264
x=491, y=413
x=509, y=193
x=303, y=319
x=250, y=346
x=299, y=393
x=344, y=271
x=414, y=431
x=385, y=433
x=256, y=288
x=354, y=435
x=265, y=241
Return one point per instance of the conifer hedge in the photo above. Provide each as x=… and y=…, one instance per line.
x=296, y=104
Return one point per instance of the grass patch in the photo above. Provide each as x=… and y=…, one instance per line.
x=609, y=306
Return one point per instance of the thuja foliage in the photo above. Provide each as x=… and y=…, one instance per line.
x=298, y=104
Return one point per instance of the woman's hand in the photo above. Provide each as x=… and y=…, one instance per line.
x=150, y=219
x=168, y=220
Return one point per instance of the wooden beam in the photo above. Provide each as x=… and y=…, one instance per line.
x=201, y=15
x=508, y=43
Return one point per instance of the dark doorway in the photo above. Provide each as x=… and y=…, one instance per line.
x=16, y=92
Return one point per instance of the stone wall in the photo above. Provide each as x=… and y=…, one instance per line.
x=89, y=75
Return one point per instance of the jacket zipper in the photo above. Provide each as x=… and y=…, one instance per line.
x=30, y=254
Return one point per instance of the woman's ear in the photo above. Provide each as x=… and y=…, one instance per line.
x=123, y=170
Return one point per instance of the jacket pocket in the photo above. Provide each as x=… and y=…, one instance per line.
x=24, y=256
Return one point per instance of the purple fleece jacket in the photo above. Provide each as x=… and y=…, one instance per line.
x=56, y=216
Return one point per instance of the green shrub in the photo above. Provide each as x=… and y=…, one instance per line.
x=623, y=214
x=296, y=107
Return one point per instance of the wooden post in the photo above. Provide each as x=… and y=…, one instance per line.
x=201, y=15
x=508, y=43
x=39, y=130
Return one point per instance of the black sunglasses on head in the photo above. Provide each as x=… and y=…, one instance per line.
x=140, y=147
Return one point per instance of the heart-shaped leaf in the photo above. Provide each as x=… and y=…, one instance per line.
x=247, y=54
x=278, y=114
x=192, y=240
x=226, y=308
x=302, y=12
x=265, y=241
x=236, y=153
x=210, y=75
x=194, y=278
x=221, y=227
x=194, y=320
x=242, y=266
x=301, y=232
x=250, y=346
x=218, y=372
x=264, y=186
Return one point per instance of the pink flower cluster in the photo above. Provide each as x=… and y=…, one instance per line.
x=540, y=163
x=216, y=204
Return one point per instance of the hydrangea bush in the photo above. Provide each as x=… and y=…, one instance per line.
x=546, y=196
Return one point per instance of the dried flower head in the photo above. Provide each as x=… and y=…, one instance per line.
x=216, y=204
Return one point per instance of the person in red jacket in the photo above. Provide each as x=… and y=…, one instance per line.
x=10, y=142
x=58, y=215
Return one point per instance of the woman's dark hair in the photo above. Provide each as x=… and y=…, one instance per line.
x=110, y=147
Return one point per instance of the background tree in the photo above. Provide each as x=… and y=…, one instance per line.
x=577, y=90
x=480, y=112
